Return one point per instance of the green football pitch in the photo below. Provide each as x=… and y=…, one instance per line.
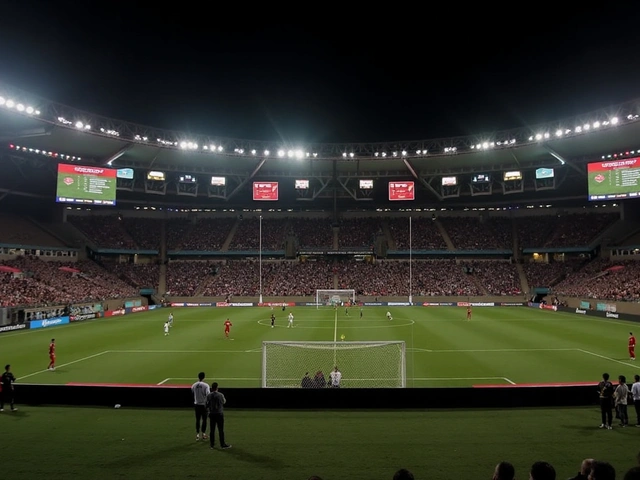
x=499, y=346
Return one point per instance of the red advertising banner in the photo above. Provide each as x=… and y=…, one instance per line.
x=402, y=191
x=114, y=313
x=613, y=165
x=265, y=190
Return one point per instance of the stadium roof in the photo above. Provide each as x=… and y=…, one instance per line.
x=42, y=127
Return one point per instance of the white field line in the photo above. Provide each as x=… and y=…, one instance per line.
x=496, y=350
x=186, y=351
x=66, y=364
x=216, y=378
x=426, y=379
x=606, y=358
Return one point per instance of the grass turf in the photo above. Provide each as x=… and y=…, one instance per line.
x=68, y=443
x=504, y=346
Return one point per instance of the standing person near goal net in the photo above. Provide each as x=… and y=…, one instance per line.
x=380, y=364
x=334, y=378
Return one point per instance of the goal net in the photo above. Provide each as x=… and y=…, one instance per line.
x=362, y=364
x=332, y=298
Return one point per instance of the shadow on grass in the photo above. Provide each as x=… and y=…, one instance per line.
x=585, y=429
x=19, y=414
x=150, y=457
x=261, y=460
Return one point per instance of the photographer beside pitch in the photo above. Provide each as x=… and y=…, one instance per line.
x=215, y=405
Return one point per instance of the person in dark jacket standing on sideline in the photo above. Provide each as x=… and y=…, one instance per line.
x=215, y=404
x=7, y=389
x=605, y=389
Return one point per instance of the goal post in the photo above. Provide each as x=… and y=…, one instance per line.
x=331, y=298
x=362, y=364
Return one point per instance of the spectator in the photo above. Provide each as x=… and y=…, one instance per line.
x=403, y=474
x=585, y=469
x=504, y=471
x=542, y=471
x=602, y=471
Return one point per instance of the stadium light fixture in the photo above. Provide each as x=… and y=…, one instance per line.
x=113, y=133
x=266, y=153
x=299, y=154
x=614, y=121
x=281, y=153
x=253, y=152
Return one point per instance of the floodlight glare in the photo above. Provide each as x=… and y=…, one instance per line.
x=2, y=101
x=10, y=103
x=281, y=153
x=20, y=107
x=266, y=153
x=614, y=120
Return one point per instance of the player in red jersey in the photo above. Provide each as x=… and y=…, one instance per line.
x=52, y=355
x=227, y=327
x=632, y=346
x=468, y=313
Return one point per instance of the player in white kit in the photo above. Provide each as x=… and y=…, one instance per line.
x=290, y=320
x=166, y=328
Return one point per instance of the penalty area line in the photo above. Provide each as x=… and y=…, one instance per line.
x=164, y=381
x=605, y=358
x=65, y=364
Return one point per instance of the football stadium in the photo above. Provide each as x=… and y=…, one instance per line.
x=470, y=292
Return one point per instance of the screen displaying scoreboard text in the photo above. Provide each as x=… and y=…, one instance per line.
x=86, y=185
x=265, y=191
x=402, y=191
x=614, y=179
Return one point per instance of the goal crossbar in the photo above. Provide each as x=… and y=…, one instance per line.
x=380, y=364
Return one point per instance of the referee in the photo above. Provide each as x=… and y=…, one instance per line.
x=200, y=391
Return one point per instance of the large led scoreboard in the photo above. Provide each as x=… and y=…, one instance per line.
x=402, y=191
x=614, y=179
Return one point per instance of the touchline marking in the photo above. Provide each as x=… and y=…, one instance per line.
x=65, y=364
x=185, y=351
x=217, y=378
x=507, y=380
x=605, y=358
x=498, y=350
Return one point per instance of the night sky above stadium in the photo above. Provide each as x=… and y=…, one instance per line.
x=340, y=78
